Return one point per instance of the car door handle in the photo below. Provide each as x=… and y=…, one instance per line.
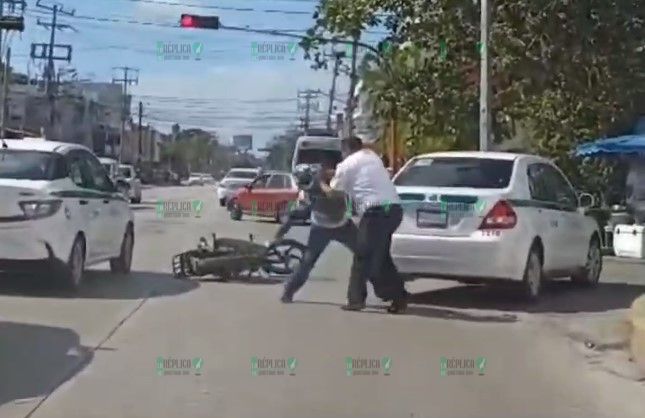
x=84, y=202
x=106, y=200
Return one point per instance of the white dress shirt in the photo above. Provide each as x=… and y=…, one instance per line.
x=364, y=178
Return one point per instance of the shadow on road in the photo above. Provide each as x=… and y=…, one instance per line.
x=242, y=280
x=35, y=359
x=557, y=297
x=142, y=207
x=427, y=312
x=99, y=285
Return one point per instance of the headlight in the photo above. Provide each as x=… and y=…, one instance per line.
x=40, y=209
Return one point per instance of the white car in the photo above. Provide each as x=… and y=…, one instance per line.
x=129, y=175
x=195, y=179
x=479, y=216
x=233, y=181
x=60, y=211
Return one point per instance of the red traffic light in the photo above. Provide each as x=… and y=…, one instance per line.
x=187, y=21
x=196, y=21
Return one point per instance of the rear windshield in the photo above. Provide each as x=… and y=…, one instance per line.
x=31, y=165
x=242, y=174
x=477, y=173
x=319, y=156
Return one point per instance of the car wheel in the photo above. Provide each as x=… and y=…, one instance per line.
x=72, y=272
x=123, y=263
x=136, y=200
x=235, y=211
x=533, y=275
x=222, y=202
x=589, y=275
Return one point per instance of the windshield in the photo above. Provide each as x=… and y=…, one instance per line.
x=31, y=165
x=476, y=173
x=317, y=156
x=125, y=172
x=242, y=174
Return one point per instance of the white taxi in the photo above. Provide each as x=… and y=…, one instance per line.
x=60, y=211
x=480, y=216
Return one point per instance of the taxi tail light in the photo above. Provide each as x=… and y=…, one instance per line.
x=37, y=209
x=501, y=216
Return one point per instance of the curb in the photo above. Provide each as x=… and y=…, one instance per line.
x=637, y=317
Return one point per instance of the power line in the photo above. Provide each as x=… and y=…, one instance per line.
x=176, y=25
x=225, y=8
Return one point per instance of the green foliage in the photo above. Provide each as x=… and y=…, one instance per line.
x=570, y=70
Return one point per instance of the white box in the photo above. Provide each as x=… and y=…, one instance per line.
x=629, y=241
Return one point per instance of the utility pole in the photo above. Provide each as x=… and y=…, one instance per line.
x=127, y=81
x=352, y=87
x=140, y=130
x=307, y=95
x=484, y=86
x=47, y=51
x=332, y=93
x=5, y=92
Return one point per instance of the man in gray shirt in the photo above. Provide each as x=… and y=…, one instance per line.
x=330, y=221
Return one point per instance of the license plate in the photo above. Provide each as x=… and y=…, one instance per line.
x=431, y=219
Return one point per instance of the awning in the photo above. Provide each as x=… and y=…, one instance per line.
x=622, y=145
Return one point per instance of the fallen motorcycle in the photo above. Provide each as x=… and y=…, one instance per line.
x=229, y=258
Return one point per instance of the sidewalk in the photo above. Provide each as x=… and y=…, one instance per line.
x=637, y=318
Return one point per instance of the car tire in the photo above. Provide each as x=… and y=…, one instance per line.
x=123, y=263
x=235, y=211
x=222, y=202
x=136, y=200
x=72, y=272
x=589, y=275
x=533, y=275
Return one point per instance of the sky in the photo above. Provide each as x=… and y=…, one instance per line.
x=229, y=90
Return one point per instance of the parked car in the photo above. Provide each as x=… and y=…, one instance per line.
x=478, y=216
x=60, y=211
x=111, y=166
x=129, y=175
x=195, y=179
x=269, y=195
x=233, y=180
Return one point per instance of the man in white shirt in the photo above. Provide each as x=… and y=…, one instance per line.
x=365, y=179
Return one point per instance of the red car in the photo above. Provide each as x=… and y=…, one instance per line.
x=269, y=195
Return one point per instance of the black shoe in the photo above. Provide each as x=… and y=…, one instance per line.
x=353, y=306
x=286, y=298
x=398, y=306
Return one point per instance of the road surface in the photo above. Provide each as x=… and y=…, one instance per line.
x=94, y=354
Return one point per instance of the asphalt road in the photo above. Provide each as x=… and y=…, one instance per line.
x=94, y=354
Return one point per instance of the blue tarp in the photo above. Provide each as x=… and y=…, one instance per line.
x=629, y=144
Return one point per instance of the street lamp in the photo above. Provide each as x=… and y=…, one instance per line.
x=484, y=89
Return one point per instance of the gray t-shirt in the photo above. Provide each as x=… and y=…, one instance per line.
x=327, y=212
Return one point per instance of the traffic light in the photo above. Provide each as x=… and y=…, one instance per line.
x=197, y=21
x=12, y=23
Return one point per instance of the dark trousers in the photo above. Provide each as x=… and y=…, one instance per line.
x=372, y=259
x=319, y=239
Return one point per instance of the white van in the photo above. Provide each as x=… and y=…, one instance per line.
x=313, y=149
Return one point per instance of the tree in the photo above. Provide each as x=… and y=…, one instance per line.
x=568, y=71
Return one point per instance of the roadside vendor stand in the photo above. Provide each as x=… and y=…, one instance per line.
x=623, y=234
